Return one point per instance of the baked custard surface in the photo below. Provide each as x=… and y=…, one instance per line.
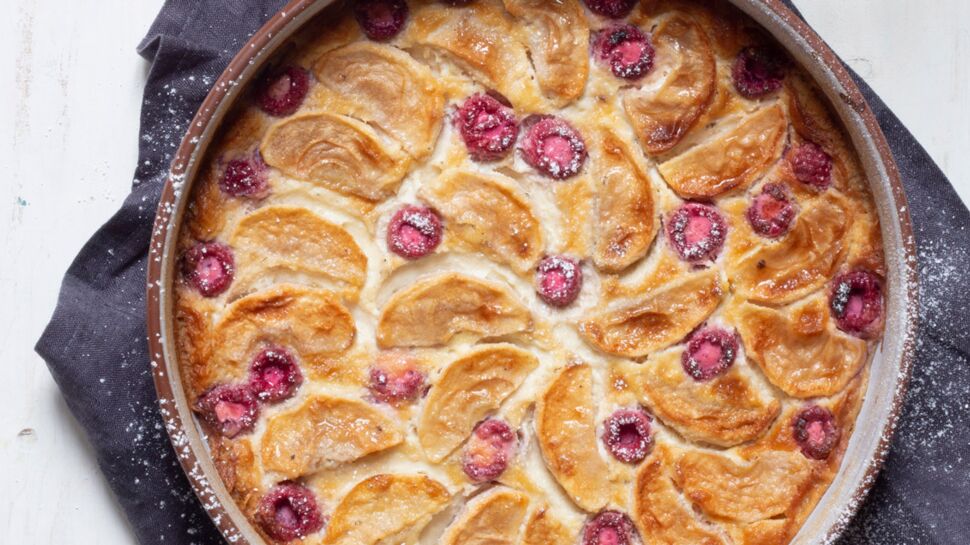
x=529, y=272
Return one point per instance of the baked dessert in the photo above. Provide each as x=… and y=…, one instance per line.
x=598, y=272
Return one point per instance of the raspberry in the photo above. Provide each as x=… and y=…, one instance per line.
x=553, y=147
x=274, y=375
x=626, y=49
x=856, y=303
x=245, y=177
x=758, y=71
x=811, y=165
x=558, y=280
x=283, y=91
x=697, y=232
x=394, y=379
x=381, y=19
x=487, y=126
x=626, y=434
x=710, y=352
x=209, y=267
x=771, y=212
x=488, y=451
x=610, y=528
x=289, y=511
x=614, y=9
x=230, y=410
x=414, y=231
x=815, y=432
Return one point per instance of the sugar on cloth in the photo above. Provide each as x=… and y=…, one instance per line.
x=95, y=344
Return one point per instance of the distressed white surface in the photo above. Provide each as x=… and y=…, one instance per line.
x=69, y=99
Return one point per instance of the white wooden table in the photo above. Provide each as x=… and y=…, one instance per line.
x=69, y=112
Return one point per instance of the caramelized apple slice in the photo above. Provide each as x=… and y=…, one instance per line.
x=798, y=348
x=725, y=411
x=296, y=239
x=626, y=220
x=468, y=390
x=661, y=512
x=434, y=310
x=325, y=432
x=662, y=117
x=311, y=322
x=489, y=214
x=386, y=87
x=760, y=489
x=493, y=518
x=731, y=160
x=566, y=430
x=383, y=507
x=558, y=40
x=660, y=318
x=799, y=263
x=337, y=152
x=543, y=528
x=477, y=39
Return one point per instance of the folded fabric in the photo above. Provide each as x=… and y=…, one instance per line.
x=95, y=344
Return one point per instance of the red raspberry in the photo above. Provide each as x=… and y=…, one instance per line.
x=614, y=9
x=758, y=71
x=771, y=213
x=209, y=267
x=710, y=352
x=553, y=147
x=282, y=92
x=815, y=432
x=274, y=375
x=558, y=280
x=230, y=410
x=245, y=177
x=489, y=450
x=289, y=511
x=811, y=165
x=697, y=232
x=487, y=126
x=381, y=19
x=414, y=232
x=610, y=528
x=626, y=49
x=394, y=378
x=626, y=434
x=856, y=303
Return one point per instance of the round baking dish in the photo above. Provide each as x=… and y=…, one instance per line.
x=890, y=367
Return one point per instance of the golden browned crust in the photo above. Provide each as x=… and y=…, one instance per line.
x=662, y=117
x=543, y=528
x=731, y=160
x=384, y=506
x=626, y=218
x=385, y=86
x=727, y=410
x=337, y=152
x=661, y=512
x=323, y=432
x=313, y=275
x=493, y=518
x=799, y=348
x=557, y=41
x=433, y=311
x=489, y=214
x=661, y=318
x=566, y=429
x=469, y=389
